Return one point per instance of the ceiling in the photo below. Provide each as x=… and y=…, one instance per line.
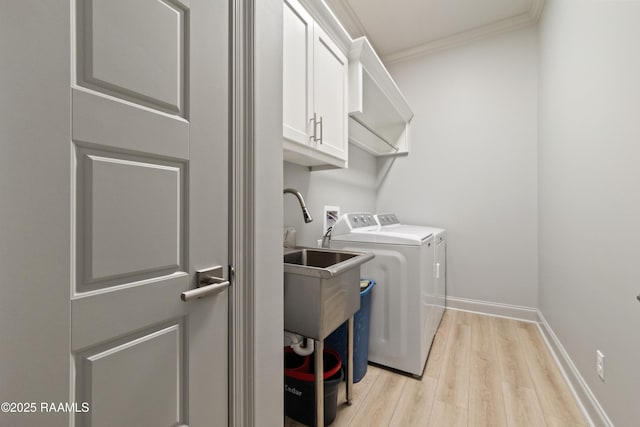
x=400, y=29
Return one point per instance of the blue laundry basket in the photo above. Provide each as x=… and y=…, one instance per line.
x=338, y=338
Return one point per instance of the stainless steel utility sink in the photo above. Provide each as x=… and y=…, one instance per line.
x=321, y=289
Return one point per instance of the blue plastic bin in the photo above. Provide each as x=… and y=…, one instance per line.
x=338, y=338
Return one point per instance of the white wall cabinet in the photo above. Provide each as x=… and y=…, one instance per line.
x=315, y=92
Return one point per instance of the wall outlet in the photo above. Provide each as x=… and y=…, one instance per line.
x=600, y=364
x=331, y=215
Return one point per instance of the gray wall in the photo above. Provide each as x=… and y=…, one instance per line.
x=353, y=189
x=589, y=179
x=472, y=163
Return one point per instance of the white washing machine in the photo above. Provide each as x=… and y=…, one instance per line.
x=403, y=303
x=390, y=222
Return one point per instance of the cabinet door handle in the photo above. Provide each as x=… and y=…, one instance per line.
x=320, y=129
x=315, y=123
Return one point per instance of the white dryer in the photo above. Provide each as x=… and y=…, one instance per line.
x=403, y=303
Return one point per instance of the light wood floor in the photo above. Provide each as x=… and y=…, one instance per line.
x=482, y=371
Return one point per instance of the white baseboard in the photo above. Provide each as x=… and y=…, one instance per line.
x=527, y=314
x=589, y=404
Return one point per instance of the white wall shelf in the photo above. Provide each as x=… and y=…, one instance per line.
x=379, y=115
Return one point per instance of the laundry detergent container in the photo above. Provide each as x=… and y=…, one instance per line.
x=299, y=386
x=338, y=338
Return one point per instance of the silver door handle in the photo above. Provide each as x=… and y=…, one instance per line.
x=209, y=283
x=315, y=124
x=320, y=129
x=204, y=291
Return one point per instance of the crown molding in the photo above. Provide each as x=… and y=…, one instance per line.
x=348, y=18
x=510, y=24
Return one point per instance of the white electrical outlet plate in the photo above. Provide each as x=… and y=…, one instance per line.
x=331, y=215
x=600, y=364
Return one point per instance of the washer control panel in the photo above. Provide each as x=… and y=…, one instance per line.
x=387, y=219
x=359, y=220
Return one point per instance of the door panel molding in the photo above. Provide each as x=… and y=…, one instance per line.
x=155, y=357
x=145, y=62
x=147, y=238
x=149, y=197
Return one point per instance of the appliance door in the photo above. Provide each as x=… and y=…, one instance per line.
x=427, y=297
x=440, y=278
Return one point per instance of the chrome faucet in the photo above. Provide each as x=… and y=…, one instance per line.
x=305, y=211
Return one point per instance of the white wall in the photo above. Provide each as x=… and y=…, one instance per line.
x=352, y=189
x=472, y=163
x=589, y=192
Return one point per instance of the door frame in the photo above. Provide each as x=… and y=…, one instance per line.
x=257, y=295
x=241, y=216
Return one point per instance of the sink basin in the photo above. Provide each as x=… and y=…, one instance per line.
x=318, y=258
x=321, y=289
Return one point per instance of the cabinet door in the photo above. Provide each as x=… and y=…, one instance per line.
x=297, y=72
x=330, y=95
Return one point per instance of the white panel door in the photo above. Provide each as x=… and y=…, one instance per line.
x=330, y=95
x=149, y=130
x=142, y=205
x=297, y=71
